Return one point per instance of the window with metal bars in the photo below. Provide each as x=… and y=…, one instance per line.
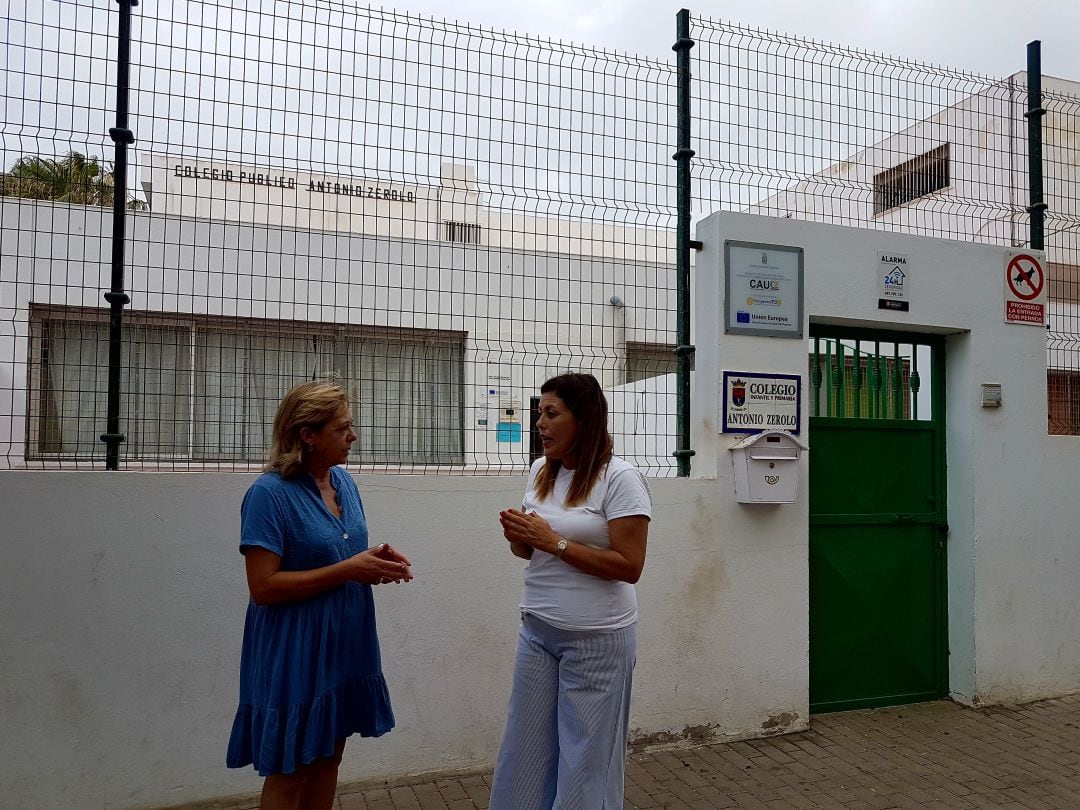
x=467, y=233
x=922, y=175
x=1063, y=401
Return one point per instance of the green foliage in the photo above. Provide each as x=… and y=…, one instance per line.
x=73, y=178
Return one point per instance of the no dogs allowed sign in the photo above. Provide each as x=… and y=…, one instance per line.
x=1025, y=287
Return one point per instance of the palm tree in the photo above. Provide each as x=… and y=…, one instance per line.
x=73, y=178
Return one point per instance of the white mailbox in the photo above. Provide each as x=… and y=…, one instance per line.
x=767, y=467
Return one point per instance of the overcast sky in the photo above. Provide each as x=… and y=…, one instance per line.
x=217, y=81
x=982, y=36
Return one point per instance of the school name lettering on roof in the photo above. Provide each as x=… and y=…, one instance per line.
x=289, y=183
x=230, y=176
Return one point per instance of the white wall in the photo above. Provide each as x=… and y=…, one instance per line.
x=642, y=419
x=1014, y=542
x=123, y=611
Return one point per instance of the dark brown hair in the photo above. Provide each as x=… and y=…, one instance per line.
x=583, y=396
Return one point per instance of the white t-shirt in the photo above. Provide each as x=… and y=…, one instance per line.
x=560, y=594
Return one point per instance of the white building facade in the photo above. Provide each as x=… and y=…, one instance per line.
x=442, y=315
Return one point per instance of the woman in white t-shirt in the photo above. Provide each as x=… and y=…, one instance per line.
x=583, y=527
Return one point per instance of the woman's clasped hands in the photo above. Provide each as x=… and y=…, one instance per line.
x=528, y=528
x=380, y=565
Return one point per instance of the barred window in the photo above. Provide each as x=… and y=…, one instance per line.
x=467, y=233
x=206, y=388
x=915, y=178
x=1063, y=401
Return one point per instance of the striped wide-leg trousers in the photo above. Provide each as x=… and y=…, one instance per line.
x=565, y=741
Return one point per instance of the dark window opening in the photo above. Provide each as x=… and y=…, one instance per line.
x=915, y=178
x=466, y=233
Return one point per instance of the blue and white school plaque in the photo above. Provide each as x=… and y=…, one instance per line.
x=754, y=402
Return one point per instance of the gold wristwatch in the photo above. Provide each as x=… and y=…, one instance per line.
x=560, y=547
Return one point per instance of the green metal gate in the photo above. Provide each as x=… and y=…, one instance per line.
x=878, y=629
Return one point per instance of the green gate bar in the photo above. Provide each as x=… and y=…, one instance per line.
x=815, y=377
x=898, y=384
x=856, y=382
x=877, y=374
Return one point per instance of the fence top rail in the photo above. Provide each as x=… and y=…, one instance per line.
x=724, y=28
x=1061, y=96
x=389, y=18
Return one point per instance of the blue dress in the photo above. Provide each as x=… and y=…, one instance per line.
x=310, y=671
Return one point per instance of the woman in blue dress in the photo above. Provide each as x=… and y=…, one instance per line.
x=310, y=671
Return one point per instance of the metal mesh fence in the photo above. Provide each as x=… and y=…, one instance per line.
x=441, y=216
x=438, y=216
x=788, y=127
x=1061, y=162
x=830, y=134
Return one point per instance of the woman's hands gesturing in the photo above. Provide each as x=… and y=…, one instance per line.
x=269, y=585
x=379, y=565
x=622, y=560
x=529, y=529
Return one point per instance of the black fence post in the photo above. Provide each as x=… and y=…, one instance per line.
x=683, y=351
x=117, y=298
x=1037, y=207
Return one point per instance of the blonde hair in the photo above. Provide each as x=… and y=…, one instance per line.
x=311, y=405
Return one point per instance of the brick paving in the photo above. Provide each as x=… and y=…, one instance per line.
x=931, y=755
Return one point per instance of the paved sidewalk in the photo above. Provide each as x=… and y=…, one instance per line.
x=932, y=755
